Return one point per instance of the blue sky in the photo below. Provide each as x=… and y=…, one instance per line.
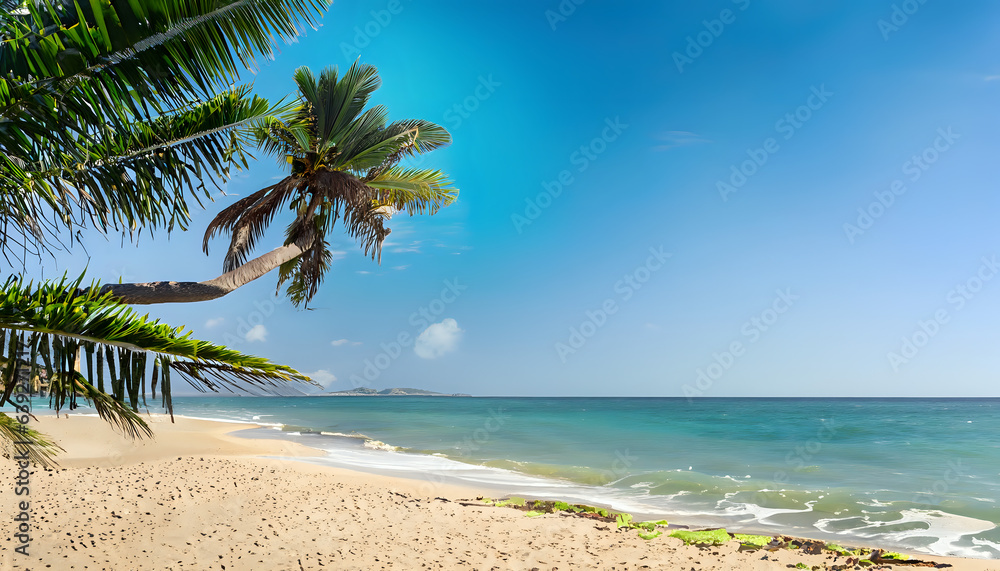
x=653, y=203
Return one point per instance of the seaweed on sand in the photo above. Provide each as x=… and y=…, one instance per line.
x=704, y=537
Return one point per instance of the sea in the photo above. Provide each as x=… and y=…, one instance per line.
x=921, y=475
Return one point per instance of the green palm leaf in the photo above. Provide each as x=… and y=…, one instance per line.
x=414, y=190
x=117, y=175
x=49, y=327
x=16, y=437
x=343, y=171
x=75, y=72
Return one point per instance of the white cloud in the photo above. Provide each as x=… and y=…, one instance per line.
x=257, y=333
x=401, y=267
x=339, y=342
x=214, y=322
x=413, y=247
x=338, y=254
x=992, y=77
x=438, y=339
x=363, y=272
x=672, y=139
x=323, y=377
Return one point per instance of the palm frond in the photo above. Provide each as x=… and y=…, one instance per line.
x=247, y=219
x=117, y=177
x=168, y=48
x=414, y=190
x=18, y=438
x=47, y=328
x=76, y=71
x=340, y=102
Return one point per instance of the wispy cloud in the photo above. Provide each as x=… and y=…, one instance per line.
x=323, y=377
x=413, y=247
x=673, y=139
x=214, y=322
x=341, y=342
x=257, y=333
x=403, y=267
x=438, y=339
x=992, y=77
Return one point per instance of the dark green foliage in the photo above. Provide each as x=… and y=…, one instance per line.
x=109, y=111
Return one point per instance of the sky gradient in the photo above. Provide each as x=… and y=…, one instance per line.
x=731, y=198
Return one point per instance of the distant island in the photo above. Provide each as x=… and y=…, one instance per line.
x=396, y=392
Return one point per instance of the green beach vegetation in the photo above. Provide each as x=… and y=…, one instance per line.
x=114, y=118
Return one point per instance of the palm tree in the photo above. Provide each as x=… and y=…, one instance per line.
x=112, y=116
x=344, y=167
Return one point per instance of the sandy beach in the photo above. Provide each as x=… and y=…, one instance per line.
x=197, y=497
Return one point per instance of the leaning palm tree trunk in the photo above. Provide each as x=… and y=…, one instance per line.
x=185, y=292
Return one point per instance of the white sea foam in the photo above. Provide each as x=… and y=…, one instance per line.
x=436, y=469
x=379, y=445
x=229, y=420
x=343, y=435
x=758, y=514
x=947, y=530
x=874, y=503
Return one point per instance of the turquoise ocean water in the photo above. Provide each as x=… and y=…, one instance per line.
x=919, y=474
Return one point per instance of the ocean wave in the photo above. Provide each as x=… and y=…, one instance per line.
x=343, y=435
x=379, y=445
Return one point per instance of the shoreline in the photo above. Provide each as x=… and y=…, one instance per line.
x=194, y=464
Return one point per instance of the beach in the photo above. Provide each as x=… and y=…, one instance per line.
x=198, y=497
